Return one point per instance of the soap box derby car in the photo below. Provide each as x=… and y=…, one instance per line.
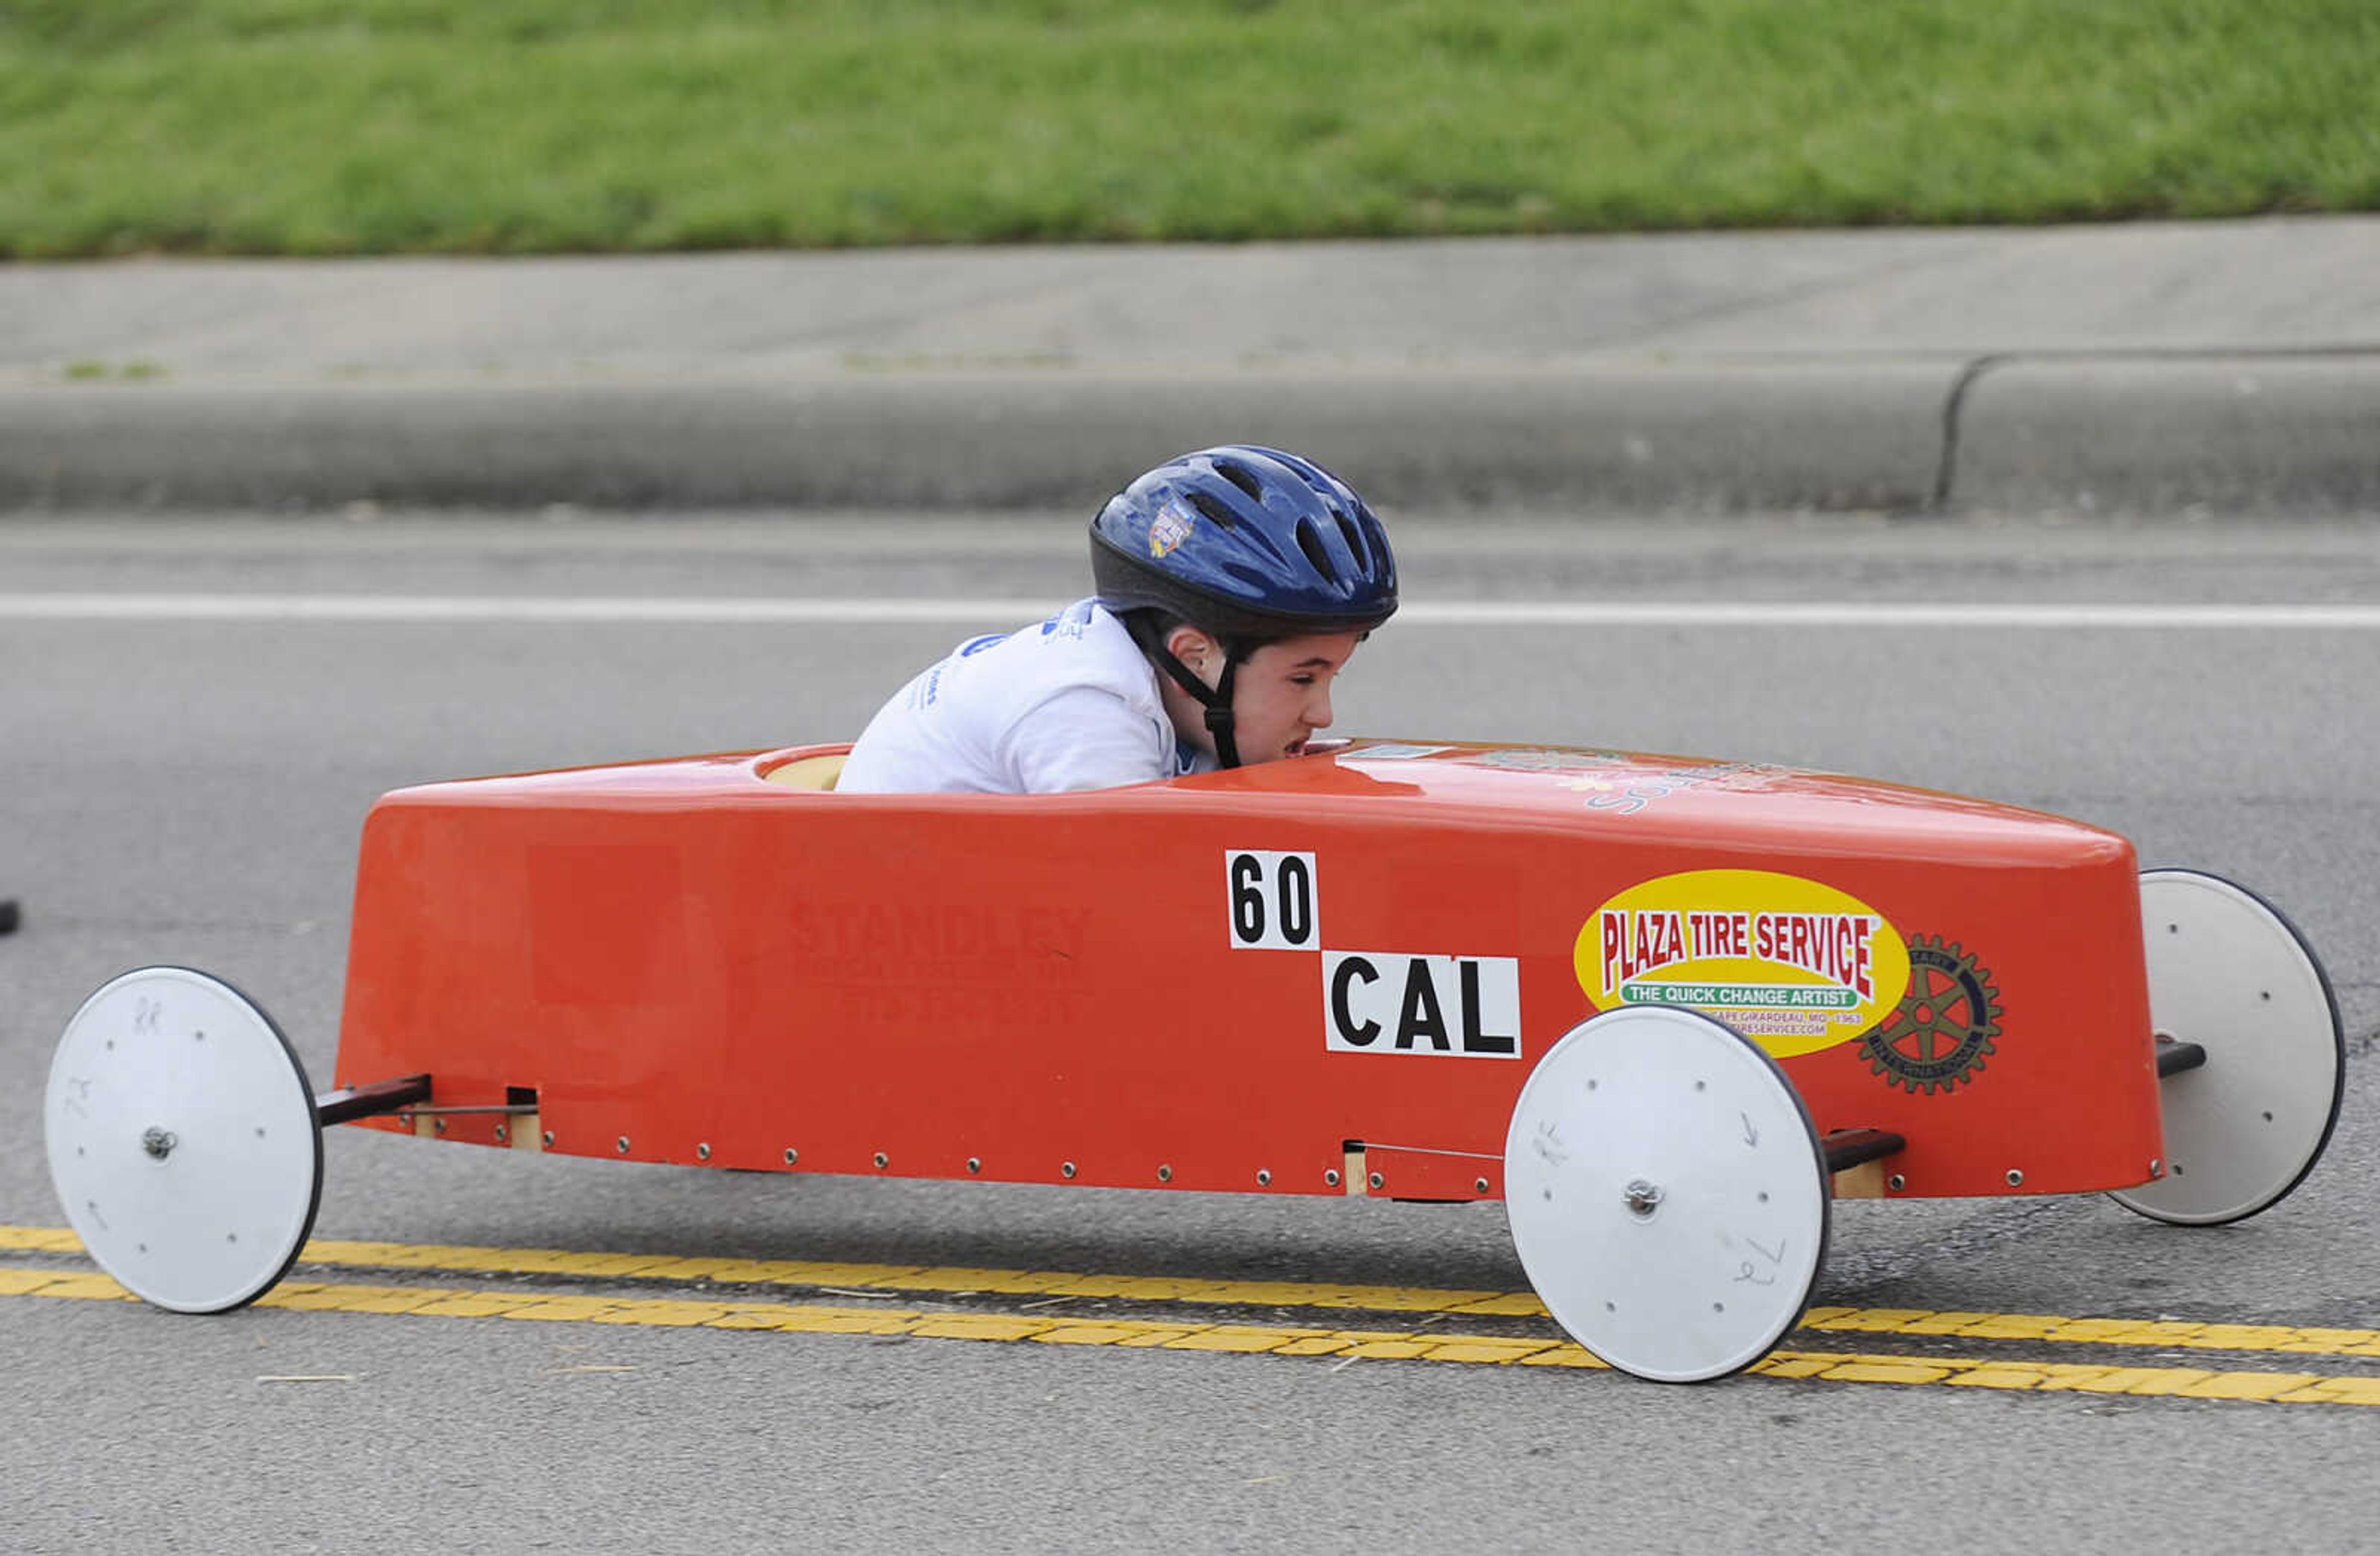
x=1666, y=1009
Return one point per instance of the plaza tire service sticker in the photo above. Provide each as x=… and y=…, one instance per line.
x=1794, y=965
x=1939, y=1036
x=1374, y=1002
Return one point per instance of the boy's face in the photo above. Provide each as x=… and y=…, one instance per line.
x=1280, y=695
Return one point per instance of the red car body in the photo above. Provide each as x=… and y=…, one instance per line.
x=1324, y=975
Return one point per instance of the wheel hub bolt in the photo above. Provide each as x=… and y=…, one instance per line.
x=1643, y=1198
x=159, y=1143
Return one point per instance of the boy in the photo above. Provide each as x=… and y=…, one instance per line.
x=1233, y=585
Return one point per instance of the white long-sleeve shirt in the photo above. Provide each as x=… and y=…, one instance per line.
x=1069, y=704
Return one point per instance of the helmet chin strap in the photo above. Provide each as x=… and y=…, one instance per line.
x=1219, y=712
x=1216, y=699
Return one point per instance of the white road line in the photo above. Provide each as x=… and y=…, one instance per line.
x=527, y=609
x=438, y=608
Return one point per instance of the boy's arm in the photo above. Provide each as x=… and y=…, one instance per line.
x=1085, y=738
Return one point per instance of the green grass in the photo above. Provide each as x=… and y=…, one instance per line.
x=383, y=125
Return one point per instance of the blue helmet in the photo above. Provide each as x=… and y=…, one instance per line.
x=1249, y=543
x=1246, y=543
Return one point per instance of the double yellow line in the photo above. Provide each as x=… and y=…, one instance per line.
x=1416, y=1342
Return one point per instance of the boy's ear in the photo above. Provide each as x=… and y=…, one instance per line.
x=1192, y=648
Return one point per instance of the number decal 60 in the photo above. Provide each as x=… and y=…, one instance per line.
x=1273, y=900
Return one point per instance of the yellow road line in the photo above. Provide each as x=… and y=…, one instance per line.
x=919, y=1279
x=2163, y=1333
x=2281, y=1387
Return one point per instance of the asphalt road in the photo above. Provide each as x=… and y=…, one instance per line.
x=179, y=790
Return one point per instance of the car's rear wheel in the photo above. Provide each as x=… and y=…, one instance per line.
x=183, y=1140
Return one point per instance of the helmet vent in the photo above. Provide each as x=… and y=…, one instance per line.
x=1213, y=507
x=1311, y=544
x=1354, y=540
x=1241, y=477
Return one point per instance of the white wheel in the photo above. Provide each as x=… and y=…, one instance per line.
x=2229, y=973
x=1668, y=1194
x=182, y=1139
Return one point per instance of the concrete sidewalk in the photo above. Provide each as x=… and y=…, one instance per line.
x=2152, y=367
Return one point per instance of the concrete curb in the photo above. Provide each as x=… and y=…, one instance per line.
x=2136, y=434
x=2245, y=434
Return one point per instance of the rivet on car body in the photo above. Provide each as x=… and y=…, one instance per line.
x=975, y=1164
x=1479, y=1186
x=2156, y=1168
x=1066, y=1168
x=1264, y=1177
x=792, y=1156
x=1330, y=1178
x=883, y=1159
x=437, y=1124
x=1378, y=1182
x=503, y=1134
x=2015, y=1177
x=1165, y=1172
x=548, y=1137
x=702, y=1151
x=1896, y=1183
x=621, y=1145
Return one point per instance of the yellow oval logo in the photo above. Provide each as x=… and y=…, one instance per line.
x=1793, y=964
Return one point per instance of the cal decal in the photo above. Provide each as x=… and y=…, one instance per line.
x=1387, y=1001
x=1794, y=965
